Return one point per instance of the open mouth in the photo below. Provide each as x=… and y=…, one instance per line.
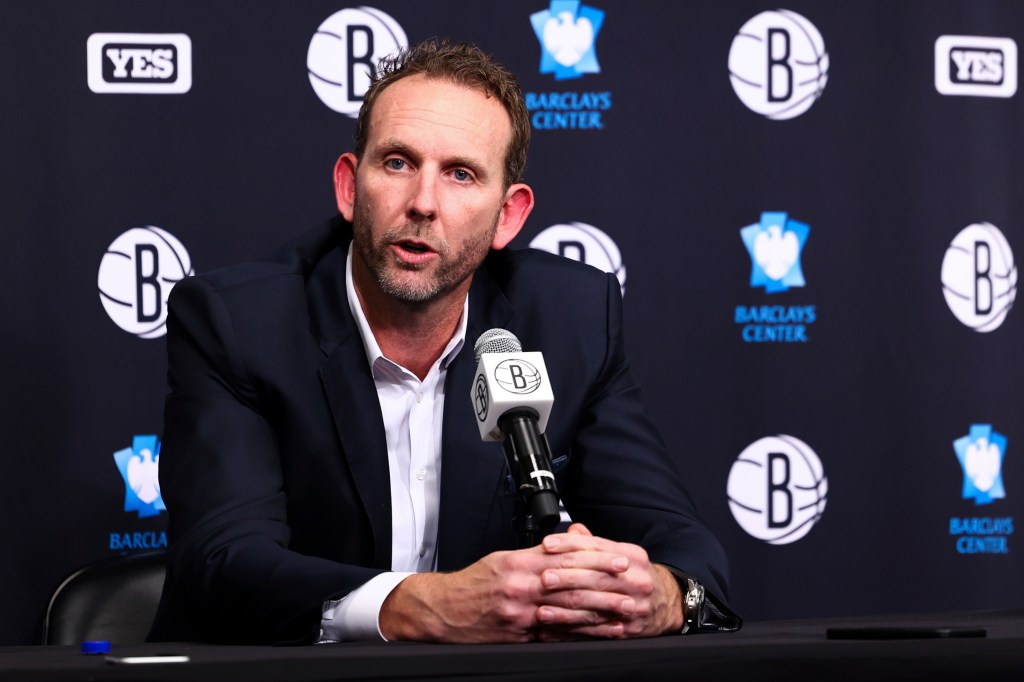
x=414, y=248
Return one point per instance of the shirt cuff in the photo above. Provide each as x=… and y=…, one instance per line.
x=356, y=616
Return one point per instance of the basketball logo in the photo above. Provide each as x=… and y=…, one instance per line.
x=517, y=376
x=345, y=51
x=778, y=65
x=979, y=278
x=586, y=244
x=480, y=399
x=136, y=275
x=777, y=489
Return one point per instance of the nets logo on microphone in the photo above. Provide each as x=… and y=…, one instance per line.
x=981, y=453
x=517, y=376
x=976, y=66
x=139, y=63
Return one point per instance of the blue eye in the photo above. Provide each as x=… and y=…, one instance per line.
x=395, y=164
x=461, y=174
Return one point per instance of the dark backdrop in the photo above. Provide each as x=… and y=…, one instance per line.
x=884, y=170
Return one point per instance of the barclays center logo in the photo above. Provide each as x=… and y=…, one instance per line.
x=567, y=32
x=775, y=245
x=139, y=467
x=981, y=454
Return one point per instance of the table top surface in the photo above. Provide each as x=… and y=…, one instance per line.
x=795, y=649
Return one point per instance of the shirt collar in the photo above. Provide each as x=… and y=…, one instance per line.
x=373, y=352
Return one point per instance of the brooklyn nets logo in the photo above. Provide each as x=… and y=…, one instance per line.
x=480, y=400
x=979, y=277
x=344, y=52
x=777, y=489
x=778, y=64
x=136, y=276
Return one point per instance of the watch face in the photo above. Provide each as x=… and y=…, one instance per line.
x=693, y=602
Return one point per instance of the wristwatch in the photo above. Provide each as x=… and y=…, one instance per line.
x=693, y=606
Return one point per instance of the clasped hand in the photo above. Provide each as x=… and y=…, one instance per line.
x=572, y=586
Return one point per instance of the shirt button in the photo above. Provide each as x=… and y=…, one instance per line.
x=423, y=552
x=422, y=475
x=419, y=397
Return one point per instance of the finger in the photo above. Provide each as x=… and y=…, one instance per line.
x=611, y=630
x=562, y=579
x=575, y=542
x=611, y=604
x=579, y=529
x=612, y=564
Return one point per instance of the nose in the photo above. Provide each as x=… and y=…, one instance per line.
x=423, y=204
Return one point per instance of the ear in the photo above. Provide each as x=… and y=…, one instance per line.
x=345, y=184
x=514, y=210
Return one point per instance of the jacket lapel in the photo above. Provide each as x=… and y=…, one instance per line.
x=352, y=397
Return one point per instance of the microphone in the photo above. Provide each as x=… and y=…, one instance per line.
x=512, y=398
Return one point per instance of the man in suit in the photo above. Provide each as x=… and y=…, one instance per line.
x=321, y=465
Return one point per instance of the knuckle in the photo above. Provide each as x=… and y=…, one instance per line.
x=645, y=585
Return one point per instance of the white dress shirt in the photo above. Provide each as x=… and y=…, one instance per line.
x=412, y=412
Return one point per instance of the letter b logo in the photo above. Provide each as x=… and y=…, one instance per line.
x=777, y=489
x=136, y=275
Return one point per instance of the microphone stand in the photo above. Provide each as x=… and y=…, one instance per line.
x=537, y=502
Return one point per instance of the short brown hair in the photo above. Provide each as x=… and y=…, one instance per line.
x=462, y=64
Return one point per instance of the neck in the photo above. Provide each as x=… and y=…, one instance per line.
x=411, y=334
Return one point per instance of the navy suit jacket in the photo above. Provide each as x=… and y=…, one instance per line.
x=274, y=466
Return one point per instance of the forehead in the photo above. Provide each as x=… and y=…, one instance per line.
x=420, y=109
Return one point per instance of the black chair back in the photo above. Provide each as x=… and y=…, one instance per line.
x=113, y=600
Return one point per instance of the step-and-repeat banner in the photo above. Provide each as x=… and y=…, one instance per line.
x=813, y=210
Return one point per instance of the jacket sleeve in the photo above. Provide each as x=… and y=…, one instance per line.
x=622, y=483
x=231, y=575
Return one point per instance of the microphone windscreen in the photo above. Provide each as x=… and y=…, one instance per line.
x=496, y=340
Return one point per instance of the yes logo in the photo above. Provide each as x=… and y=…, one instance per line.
x=140, y=63
x=775, y=245
x=976, y=66
x=139, y=467
x=981, y=455
x=567, y=31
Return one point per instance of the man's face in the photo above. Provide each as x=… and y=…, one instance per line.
x=429, y=187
